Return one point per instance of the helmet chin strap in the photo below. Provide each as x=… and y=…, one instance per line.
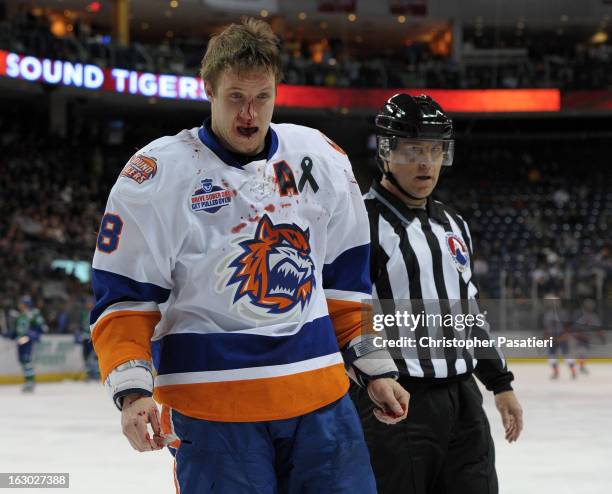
x=389, y=176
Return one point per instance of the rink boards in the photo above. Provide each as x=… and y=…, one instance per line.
x=56, y=357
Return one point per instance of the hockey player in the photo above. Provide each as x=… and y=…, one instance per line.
x=585, y=327
x=233, y=259
x=556, y=322
x=82, y=337
x=422, y=254
x=28, y=326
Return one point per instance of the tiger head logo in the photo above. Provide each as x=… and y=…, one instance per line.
x=275, y=269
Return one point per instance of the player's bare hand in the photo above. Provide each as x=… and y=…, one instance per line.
x=23, y=340
x=137, y=412
x=511, y=414
x=391, y=400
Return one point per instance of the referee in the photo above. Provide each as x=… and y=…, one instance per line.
x=422, y=257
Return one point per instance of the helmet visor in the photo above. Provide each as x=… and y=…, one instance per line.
x=400, y=150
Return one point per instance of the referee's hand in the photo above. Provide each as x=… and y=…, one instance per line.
x=511, y=414
x=390, y=398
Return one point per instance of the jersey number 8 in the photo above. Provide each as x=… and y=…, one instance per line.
x=110, y=233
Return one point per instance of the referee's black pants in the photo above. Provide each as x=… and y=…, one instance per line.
x=443, y=447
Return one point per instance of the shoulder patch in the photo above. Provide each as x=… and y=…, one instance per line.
x=140, y=168
x=333, y=144
x=458, y=251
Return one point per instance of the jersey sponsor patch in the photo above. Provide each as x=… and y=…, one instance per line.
x=458, y=251
x=210, y=198
x=140, y=168
x=274, y=271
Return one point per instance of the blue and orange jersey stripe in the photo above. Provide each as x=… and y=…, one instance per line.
x=348, y=288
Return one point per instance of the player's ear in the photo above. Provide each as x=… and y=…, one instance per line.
x=208, y=89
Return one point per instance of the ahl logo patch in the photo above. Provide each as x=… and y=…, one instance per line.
x=275, y=270
x=458, y=251
x=140, y=168
x=210, y=198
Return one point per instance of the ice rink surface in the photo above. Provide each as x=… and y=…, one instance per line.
x=566, y=446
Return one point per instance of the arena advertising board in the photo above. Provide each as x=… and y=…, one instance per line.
x=181, y=87
x=55, y=357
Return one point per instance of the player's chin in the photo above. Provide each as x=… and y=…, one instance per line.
x=248, y=145
x=422, y=190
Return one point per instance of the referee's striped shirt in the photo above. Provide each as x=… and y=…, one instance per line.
x=422, y=257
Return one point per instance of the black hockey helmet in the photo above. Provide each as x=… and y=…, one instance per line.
x=411, y=120
x=416, y=117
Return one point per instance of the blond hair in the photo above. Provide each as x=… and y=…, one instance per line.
x=250, y=45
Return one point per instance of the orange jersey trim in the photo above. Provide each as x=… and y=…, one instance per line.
x=274, y=398
x=123, y=335
x=348, y=318
x=167, y=427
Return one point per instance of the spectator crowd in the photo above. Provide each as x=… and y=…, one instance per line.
x=493, y=60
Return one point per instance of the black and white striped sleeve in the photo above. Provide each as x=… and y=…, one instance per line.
x=492, y=371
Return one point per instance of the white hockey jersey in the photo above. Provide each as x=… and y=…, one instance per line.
x=226, y=274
